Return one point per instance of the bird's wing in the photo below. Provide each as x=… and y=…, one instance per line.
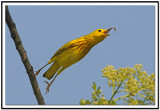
x=64, y=48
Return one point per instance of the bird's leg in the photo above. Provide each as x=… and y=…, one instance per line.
x=49, y=84
x=37, y=72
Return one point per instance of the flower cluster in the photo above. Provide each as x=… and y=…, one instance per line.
x=138, y=86
x=135, y=81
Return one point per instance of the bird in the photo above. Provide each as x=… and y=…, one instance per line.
x=72, y=52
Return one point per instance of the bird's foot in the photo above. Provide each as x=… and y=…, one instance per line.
x=37, y=72
x=47, y=89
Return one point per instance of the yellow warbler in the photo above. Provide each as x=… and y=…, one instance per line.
x=73, y=52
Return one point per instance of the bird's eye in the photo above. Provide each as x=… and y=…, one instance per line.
x=99, y=30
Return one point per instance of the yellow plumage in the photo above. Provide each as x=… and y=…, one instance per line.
x=74, y=51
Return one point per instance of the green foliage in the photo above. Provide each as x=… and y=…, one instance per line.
x=97, y=98
x=138, y=86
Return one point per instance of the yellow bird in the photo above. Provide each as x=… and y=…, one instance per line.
x=73, y=52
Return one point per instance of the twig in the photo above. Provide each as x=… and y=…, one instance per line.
x=121, y=97
x=115, y=92
x=23, y=55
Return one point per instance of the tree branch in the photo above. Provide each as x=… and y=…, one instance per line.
x=23, y=55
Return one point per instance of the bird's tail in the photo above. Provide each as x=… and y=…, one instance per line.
x=52, y=70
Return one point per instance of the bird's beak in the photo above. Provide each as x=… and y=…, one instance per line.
x=108, y=34
x=109, y=30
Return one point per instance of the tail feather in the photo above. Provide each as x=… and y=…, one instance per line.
x=52, y=70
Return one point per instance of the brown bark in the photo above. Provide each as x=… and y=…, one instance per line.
x=29, y=69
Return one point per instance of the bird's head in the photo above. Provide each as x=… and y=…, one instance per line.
x=102, y=32
x=98, y=35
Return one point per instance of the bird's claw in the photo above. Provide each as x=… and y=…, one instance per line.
x=46, y=82
x=37, y=72
x=47, y=89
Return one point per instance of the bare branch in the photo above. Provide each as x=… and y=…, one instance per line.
x=24, y=58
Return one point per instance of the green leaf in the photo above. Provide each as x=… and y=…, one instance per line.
x=88, y=102
x=98, y=89
x=94, y=86
x=94, y=97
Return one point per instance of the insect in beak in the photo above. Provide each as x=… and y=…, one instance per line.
x=106, y=32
